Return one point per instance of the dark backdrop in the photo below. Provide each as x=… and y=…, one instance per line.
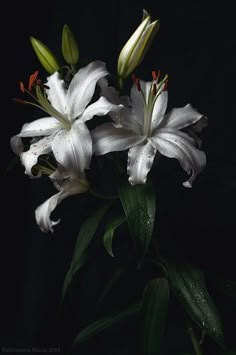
x=196, y=47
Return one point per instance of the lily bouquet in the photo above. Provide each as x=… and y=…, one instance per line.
x=90, y=128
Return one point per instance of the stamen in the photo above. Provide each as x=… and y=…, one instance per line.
x=39, y=82
x=156, y=75
x=165, y=85
x=19, y=101
x=45, y=105
x=22, y=87
x=137, y=83
x=33, y=79
x=134, y=77
x=154, y=89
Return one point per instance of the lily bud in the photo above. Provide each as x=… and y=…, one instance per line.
x=45, y=56
x=135, y=49
x=70, y=48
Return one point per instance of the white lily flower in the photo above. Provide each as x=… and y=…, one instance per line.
x=65, y=132
x=67, y=187
x=143, y=128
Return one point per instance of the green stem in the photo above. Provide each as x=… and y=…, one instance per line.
x=73, y=69
x=196, y=345
x=110, y=283
x=120, y=83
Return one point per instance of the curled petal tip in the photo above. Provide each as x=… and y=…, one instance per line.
x=187, y=184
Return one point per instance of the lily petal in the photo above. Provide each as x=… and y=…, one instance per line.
x=100, y=108
x=41, y=127
x=179, y=145
x=60, y=174
x=43, y=212
x=140, y=160
x=109, y=91
x=128, y=122
x=82, y=86
x=180, y=118
x=138, y=103
x=73, y=148
x=57, y=92
x=16, y=145
x=30, y=158
x=169, y=132
x=159, y=109
x=145, y=87
x=111, y=95
x=107, y=138
x=123, y=118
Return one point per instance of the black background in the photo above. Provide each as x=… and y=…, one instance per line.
x=196, y=47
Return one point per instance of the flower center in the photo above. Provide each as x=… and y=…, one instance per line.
x=156, y=88
x=36, y=90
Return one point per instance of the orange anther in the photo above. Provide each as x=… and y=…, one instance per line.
x=39, y=82
x=19, y=101
x=165, y=85
x=154, y=89
x=156, y=75
x=134, y=77
x=22, y=88
x=137, y=83
x=33, y=79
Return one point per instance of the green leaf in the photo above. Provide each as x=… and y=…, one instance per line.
x=115, y=277
x=139, y=204
x=110, y=230
x=86, y=234
x=187, y=283
x=105, y=322
x=155, y=307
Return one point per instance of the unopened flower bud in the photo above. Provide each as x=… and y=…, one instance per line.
x=136, y=47
x=70, y=48
x=45, y=56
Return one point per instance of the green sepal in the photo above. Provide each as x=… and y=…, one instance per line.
x=70, y=49
x=46, y=57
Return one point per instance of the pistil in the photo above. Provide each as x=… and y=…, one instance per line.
x=138, y=86
x=155, y=91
